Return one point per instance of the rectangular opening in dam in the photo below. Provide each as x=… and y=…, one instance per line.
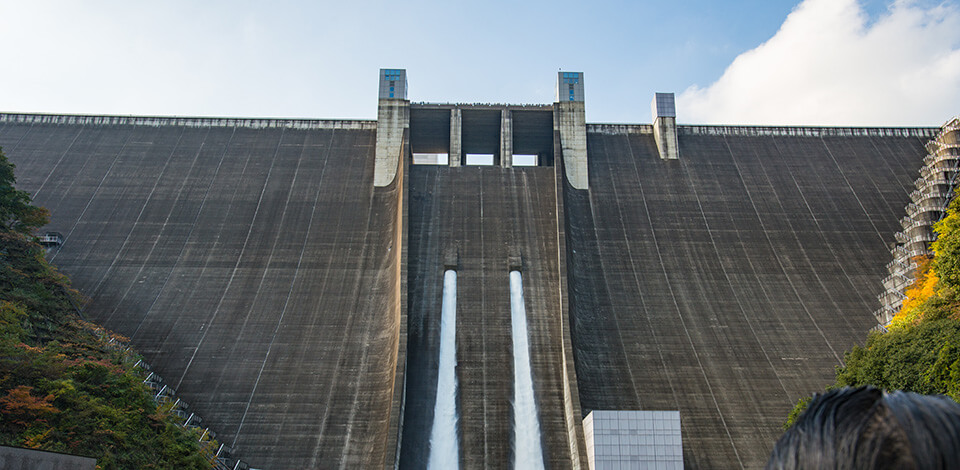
x=532, y=135
x=525, y=160
x=429, y=130
x=431, y=158
x=480, y=159
x=481, y=132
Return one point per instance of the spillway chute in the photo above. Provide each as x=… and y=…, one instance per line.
x=527, y=444
x=444, y=442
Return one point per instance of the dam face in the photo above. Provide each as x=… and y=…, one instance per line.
x=727, y=284
x=286, y=276
x=483, y=221
x=255, y=269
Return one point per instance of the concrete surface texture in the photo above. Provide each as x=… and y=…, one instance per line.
x=506, y=139
x=455, y=154
x=15, y=458
x=486, y=216
x=288, y=293
x=393, y=120
x=663, y=112
x=665, y=135
x=571, y=117
x=255, y=269
x=728, y=284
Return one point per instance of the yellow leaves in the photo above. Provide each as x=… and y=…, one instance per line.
x=11, y=313
x=923, y=287
x=35, y=440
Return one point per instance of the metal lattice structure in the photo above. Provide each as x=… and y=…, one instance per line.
x=934, y=191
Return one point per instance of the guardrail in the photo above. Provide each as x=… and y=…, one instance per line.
x=801, y=131
x=166, y=397
x=159, y=121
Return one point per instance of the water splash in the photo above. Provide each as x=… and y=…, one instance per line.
x=444, y=448
x=528, y=453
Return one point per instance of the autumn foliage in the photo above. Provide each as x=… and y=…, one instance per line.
x=21, y=408
x=923, y=288
x=920, y=351
x=70, y=386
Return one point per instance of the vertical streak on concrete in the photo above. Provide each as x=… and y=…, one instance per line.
x=456, y=136
x=393, y=118
x=573, y=142
x=506, y=139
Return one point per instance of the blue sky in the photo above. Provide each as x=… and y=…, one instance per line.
x=844, y=62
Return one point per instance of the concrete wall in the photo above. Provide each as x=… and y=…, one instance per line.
x=455, y=155
x=571, y=124
x=15, y=458
x=393, y=120
x=665, y=134
x=257, y=270
x=486, y=215
x=506, y=138
x=728, y=284
x=262, y=272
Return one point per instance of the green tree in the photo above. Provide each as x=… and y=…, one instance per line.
x=918, y=353
x=67, y=385
x=16, y=212
x=946, y=248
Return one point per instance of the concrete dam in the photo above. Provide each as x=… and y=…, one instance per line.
x=286, y=277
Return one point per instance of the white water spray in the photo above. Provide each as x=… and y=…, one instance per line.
x=444, y=448
x=527, y=448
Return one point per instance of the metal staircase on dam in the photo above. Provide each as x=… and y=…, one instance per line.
x=934, y=191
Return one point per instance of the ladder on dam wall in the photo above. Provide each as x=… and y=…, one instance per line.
x=934, y=190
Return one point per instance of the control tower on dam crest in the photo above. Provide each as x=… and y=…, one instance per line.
x=481, y=285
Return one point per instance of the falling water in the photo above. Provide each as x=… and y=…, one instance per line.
x=526, y=426
x=444, y=449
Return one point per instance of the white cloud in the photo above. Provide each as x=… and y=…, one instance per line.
x=829, y=65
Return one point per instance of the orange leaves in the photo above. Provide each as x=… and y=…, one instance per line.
x=923, y=287
x=23, y=408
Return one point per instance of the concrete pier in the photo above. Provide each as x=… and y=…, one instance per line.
x=393, y=120
x=664, y=112
x=506, y=138
x=571, y=122
x=456, y=147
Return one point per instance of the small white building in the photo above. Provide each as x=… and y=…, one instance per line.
x=635, y=440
